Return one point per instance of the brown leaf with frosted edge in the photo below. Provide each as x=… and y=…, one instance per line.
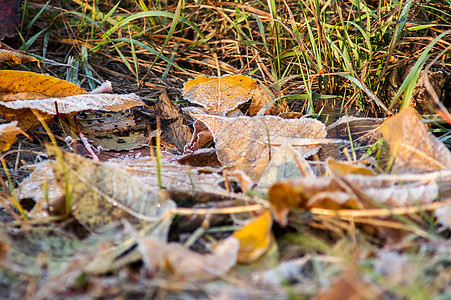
x=219, y=95
x=244, y=143
x=262, y=98
x=413, y=147
x=8, y=133
x=170, y=259
x=101, y=194
x=201, y=137
x=15, y=57
x=177, y=133
x=347, y=192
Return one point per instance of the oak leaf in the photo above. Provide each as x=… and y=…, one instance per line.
x=15, y=57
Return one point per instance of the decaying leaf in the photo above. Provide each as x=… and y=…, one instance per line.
x=413, y=147
x=362, y=132
x=245, y=143
x=114, y=130
x=8, y=133
x=255, y=238
x=53, y=244
x=264, y=98
x=101, y=194
x=176, y=134
x=201, y=137
x=219, y=95
x=348, y=192
x=15, y=57
x=174, y=260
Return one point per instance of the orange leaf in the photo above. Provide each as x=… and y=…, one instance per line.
x=219, y=95
x=8, y=133
x=255, y=238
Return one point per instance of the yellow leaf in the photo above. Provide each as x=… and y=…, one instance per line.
x=12, y=82
x=255, y=238
x=21, y=85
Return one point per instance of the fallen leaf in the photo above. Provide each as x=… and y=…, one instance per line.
x=77, y=103
x=414, y=148
x=117, y=131
x=255, y=238
x=100, y=194
x=15, y=57
x=219, y=95
x=362, y=132
x=24, y=245
x=344, y=168
x=9, y=18
x=201, y=137
x=170, y=259
x=264, y=98
x=176, y=134
x=245, y=143
x=13, y=82
x=8, y=133
x=286, y=163
x=21, y=85
x=348, y=192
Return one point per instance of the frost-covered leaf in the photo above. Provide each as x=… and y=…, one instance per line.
x=219, y=95
x=8, y=133
x=170, y=259
x=286, y=163
x=413, y=147
x=15, y=57
x=348, y=192
x=245, y=143
x=100, y=194
x=51, y=243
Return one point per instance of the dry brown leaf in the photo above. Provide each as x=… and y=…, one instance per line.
x=413, y=147
x=162, y=259
x=219, y=95
x=101, y=194
x=348, y=192
x=362, y=131
x=8, y=135
x=176, y=134
x=205, y=157
x=255, y=238
x=201, y=137
x=15, y=57
x=262, y=98
x=244, y=143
